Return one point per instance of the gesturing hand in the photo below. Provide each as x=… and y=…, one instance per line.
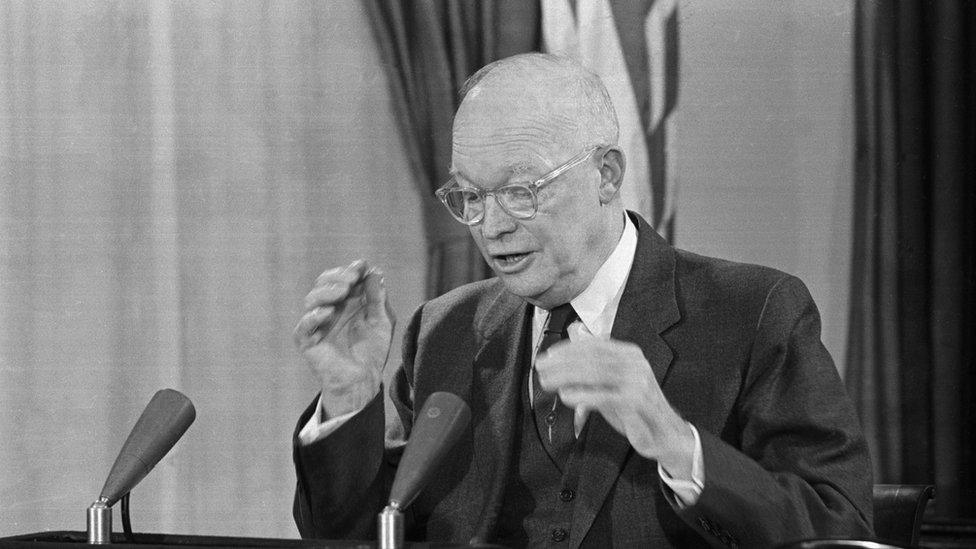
x=613, y=378
x=345, y=335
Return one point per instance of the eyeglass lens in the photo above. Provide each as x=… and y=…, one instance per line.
x=468, y=204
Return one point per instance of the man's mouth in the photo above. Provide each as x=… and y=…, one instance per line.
x=511, y=259
x=511, y=263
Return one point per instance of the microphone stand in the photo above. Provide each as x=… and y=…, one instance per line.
x=390, y=524
x=441, y=421
x=163, y=421
x=100, y=522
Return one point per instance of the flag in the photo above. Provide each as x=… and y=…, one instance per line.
x=633, y=46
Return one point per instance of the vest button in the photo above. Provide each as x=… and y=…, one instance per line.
x=559, y=534
x=567, y=495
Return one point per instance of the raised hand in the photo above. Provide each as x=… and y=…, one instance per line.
x=345, y=335
x=613, y=378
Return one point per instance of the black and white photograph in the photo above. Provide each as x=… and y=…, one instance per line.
x=488, y=273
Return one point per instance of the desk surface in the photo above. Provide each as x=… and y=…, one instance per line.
x=50, y=540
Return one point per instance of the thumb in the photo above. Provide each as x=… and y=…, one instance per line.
x=376, y=299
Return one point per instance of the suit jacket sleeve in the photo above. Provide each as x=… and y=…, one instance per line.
x=344, y=479
x=800, y=467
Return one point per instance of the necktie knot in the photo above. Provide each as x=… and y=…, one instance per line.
x=560, y=318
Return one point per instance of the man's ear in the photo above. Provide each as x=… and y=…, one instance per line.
x=611, y=174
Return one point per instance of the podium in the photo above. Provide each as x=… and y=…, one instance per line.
x=67, y=539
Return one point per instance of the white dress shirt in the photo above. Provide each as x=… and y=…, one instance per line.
x=596, y=307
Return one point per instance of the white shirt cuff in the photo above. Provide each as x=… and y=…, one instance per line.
x=687, y=491
x=315, y=429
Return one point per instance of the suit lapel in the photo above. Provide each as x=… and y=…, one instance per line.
x=604, y=455
x=647, y=307
x=495, y=394
x=649, y=304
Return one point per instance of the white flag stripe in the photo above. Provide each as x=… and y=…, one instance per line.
x=655, y=32
x=671, y=190
x=661, y=43
x=559, y=30
x=591, y=37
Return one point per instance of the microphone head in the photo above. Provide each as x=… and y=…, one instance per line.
x=442, y=419
x=162, y=423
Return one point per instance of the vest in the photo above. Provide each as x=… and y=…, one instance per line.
x=537, y=509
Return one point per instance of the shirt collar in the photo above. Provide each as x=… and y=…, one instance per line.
x=597, y=304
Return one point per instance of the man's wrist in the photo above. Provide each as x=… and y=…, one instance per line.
x=685, y=490
x=679, y=451
x=316, y=428
x=339, y=402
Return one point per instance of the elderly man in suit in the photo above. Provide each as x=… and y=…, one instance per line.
x=623, y=392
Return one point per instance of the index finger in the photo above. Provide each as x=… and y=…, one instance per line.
x=572, y=363
x=337, y=285
x=375, y=294
x=565, y=351
x=350, y=273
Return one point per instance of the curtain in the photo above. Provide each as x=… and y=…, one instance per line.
x=633, y=46
x=428, y=49
x=911, y=344
x=173, y=176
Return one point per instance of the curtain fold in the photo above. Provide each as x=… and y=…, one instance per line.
x=429, y=48
x=173, y=177
x=911, y=346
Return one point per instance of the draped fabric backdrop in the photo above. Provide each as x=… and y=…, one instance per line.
x=633, y=46
x=173, y=176
x=913, y=298
x=429, y=49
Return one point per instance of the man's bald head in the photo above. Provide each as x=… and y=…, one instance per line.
x=543, y=127
x=551, y=94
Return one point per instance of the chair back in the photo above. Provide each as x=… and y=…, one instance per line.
x=898, y=510
x=839, y=544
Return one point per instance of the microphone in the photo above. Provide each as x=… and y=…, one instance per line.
x=442, y=419
x=162, y=423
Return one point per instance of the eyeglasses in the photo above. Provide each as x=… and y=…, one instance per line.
x=519, y=200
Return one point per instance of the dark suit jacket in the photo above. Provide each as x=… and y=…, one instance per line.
x=737, y=351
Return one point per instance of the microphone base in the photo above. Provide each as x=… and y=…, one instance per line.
x=390, y=525
x=99, y=523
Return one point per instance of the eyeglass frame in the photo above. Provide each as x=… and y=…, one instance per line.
x=532, y=187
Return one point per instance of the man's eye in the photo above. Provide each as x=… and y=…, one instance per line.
x=518, y=192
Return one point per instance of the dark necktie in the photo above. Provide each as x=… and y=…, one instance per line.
x=553, y=419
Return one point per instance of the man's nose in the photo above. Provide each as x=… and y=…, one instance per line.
x=496, y=221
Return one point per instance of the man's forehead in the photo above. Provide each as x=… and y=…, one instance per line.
x=493, y=152
x=521, y=134
x=523, y=89
x=513, y=102
x=511, y=125
x=519, y=120
x=490, y=171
